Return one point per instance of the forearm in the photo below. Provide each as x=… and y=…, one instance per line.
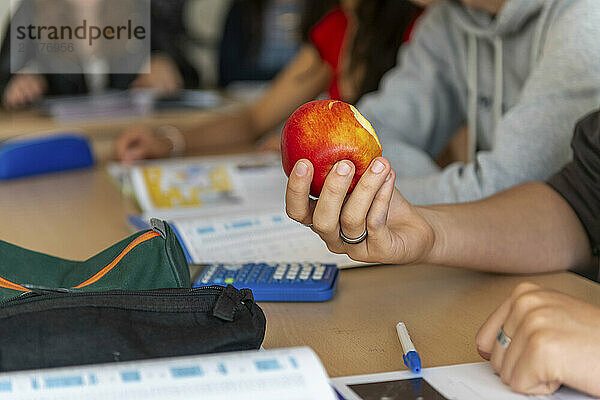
x=302, y=80
x=221, y=131
x=527, y=229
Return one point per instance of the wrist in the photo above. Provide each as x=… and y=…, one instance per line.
x=437, y=236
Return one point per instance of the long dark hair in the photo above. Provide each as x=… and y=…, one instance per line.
x=382, y=26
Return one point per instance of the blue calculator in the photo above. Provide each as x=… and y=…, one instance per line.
x=274, y=281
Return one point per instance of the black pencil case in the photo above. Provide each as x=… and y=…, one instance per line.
x=46, y=329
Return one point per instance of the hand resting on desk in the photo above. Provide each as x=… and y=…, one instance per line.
x=554, y=341
x=140, y=142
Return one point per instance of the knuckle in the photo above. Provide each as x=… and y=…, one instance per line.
x=296, y=189
x=374, y=223
x=526, y=302
x=541, y=343
x=324, y=226
x=524, y=287
x=335, y=189
x=350, y=218
x=367, y=185
x=538, y=318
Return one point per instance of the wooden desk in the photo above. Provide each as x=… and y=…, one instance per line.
x=77, y=214
x=102, y=132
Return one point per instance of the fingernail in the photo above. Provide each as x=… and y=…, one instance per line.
x=343, y=168
x=377, y=167
x=388, y=177
x=301, y=169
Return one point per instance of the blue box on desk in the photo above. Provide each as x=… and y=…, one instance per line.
x=23, y=157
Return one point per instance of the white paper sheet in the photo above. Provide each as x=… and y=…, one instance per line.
x=253, y=229
x=294, y=374
x=461, y=382
x=264, y=237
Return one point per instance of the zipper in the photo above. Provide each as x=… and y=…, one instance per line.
x=6, y=284
x=32, y=295
x=226, y=301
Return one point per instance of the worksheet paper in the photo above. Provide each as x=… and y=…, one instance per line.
x=457, y=382
x=238, y=218
x=263, y=237
x=294, y=374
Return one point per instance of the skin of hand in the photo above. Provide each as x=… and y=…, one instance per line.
x=397, y=232
x=23, y=89
x=140, y=142
x=164, y=76
x=554, y=341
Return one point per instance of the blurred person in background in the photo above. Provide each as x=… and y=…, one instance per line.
x=348, y=46
x=169, y=69
x=260, y=38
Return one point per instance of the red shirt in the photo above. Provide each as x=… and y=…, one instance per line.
x=328, y=38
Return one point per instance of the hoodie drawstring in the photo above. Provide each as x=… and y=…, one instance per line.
x=472, y=87
x=499, y=81
x=473, y=74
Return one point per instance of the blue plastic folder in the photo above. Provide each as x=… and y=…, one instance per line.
x=21, y=157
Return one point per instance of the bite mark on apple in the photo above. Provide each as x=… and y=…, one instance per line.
x=364, y=122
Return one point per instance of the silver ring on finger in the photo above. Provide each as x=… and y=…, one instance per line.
x=309, y=226
x=502, y=338
x=357, y=240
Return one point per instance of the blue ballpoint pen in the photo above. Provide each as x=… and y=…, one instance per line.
x=410, y=356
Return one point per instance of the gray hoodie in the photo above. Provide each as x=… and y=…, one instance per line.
x=520, y=81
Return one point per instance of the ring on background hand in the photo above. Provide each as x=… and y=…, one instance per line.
x=357, y=240
x=502, y=338
x=309, y=226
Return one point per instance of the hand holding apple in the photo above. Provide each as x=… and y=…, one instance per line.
x=398, y=232
x=325, y=132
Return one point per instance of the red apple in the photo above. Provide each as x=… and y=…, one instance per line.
x=325, y=132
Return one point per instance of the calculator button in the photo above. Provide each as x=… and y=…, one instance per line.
x=318, y=274
x=229, y=280
x=304, y=276
x=291, y=274
x=233, y=267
